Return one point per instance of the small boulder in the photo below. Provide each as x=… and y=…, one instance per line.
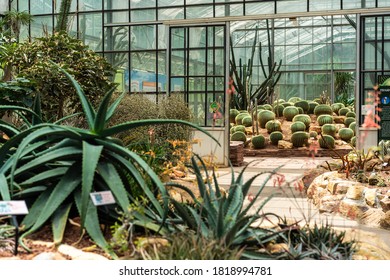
x=355, y=192
x=353, y=209
x=284, y=144
x=385, y=204
x=370, y=197
x=339, y=119
x=385, y=221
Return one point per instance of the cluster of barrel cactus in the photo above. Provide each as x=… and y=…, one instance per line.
x=324, y=123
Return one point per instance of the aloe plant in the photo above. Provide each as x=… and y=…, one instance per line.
x=226, y=218
x=56, y=167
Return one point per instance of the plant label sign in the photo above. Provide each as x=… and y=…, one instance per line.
x=13, y=207
x=384, y=105
x=102, y=198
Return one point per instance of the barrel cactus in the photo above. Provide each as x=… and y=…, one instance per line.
x=232, y=115
x=286, y=104
x=351, y=114
x=345, y=134
x=312, y=105
x=294, y=99
x=302, y=104
x=264, y=117
x=239, y=128
x=247, y=121
x=238, y=136
x=297, y=126
x=324, y=119
x=232, y=129
x=353, y=141
x=273, y=125
x=326, y=142
x=344, y=111
x=329, y=129
x=279, y=101
x=336, y=107
x=313, y=134
x=303, y=118
x=300, y=138
x=323, y=109
x=353, y=127
x=300, y=110
x=258, y=141
x=290, y=112
x=267, y=107
x=278, y=110
x=348, y=121
x=275, y=136
x=240, y=116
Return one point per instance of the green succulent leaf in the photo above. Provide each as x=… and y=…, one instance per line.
x=59, y=221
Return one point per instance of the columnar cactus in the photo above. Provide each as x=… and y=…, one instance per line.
x=258, y=141
x=345, y=134
x=303, y=118
x=326, y=142
x=323, y=109
x=297, y=126
x=275, y=136
x=290, y=112
x=324, y=119
x=273, y=125
x=264, y=117
x=299, y=138
x=329, y=129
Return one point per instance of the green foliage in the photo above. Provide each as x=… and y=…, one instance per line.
x=348, y=121
x=297, y=126
x=343, y=111
x=336, y=107
x=290, y=112
x=258, y=141
x=55, y=168
x=32, y=60
x=240, y=116
x=324, y=119
x=303, y=118
x=326, y=141
x=323, y=109
x=232, y=115
x=17, y=92
x=275, y=136
x=264, y=117
x=300, y=139
x=273, y=125
x=302, y=104
x=238, y=136
x=312, y=105
x=329, y=129
x=247, y=121
x=346, y=134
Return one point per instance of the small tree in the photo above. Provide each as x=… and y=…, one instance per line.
x=32, y=61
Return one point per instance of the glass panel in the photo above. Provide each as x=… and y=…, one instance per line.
x=90, y=5
x=197, y=60
x=177, y=84
x=118, y=60
x=291, y=6
x=197, y=37
x=162, y=38
x=116, y=38
x=39, y=24
x=173, y=13
x=387, y=28
x=178, y=63
x=386, y=55
x=164, y=3
x=57, y=6
x=113, y=5
x=259, y=8
x=197, y=84
x=229, y=10
x=348, y=4
x=199, y=12
x=90, y=27
x=142, y=3
x=143, y=15
x=369, y=56
x=177, y=38
x=383, y=3
x=321, y=5
x=143, y=37
x=23, y=5
x=219, y=62
x=162, y=67
x=196, y=102
x=115, y=17
x=368, y=4
x=189, y=2
x=41, y=7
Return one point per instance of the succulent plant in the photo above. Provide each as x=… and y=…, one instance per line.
x=353, y=127
x=336, y=107
x=351, y=114
x=286, y=104
x=278, y=110
x=303, y=118
x=302, y=104
x=346, y=134
x=348, y=121
x=238, y=136
x=300, y=110
x=258, y=142
x=273, y=125
x=324, y=119
x=299, y=138
x=353, y=141
x=312, y=105
x=232, y=115
x=232, y=129
x=264, y=117
x=279, y=101
x=247, y=121
x=344, y=111
x=294, y=99
x=240, y=116
x=326, y=142
x=318, y=100
x=290, y=112
x=239, y=128
x=275, y=136
x=323, y=109
x=329, y=129
x=267, y=107
x=297, y=126
x=313, y=134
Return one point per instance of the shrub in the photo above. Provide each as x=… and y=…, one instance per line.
x=326, y=142
x=258, y=141
x=323, y=109
x=300, y=138
x=275, y=136
x=297, y=126
x=290, y=112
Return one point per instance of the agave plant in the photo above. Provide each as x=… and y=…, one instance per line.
x=55, y=168
x=226, y=218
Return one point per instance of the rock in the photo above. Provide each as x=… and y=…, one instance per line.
x=339, y=120
x=340, y=142
x=248, y=130
x=385, y=204
x=372, y=217
x=320, y=193
x=370, y=197
x=385, y=221
x=355, y=192
x=315, y=128
x=282, y=144
x=339, y=126
x=330, y=203
x=278, y=248
x=338, y=186
x=373, y=179
x=76, y=254
x=48, y=256
x=352, y=209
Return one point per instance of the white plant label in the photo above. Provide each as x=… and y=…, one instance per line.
x=102, y=198
x=13, y=207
